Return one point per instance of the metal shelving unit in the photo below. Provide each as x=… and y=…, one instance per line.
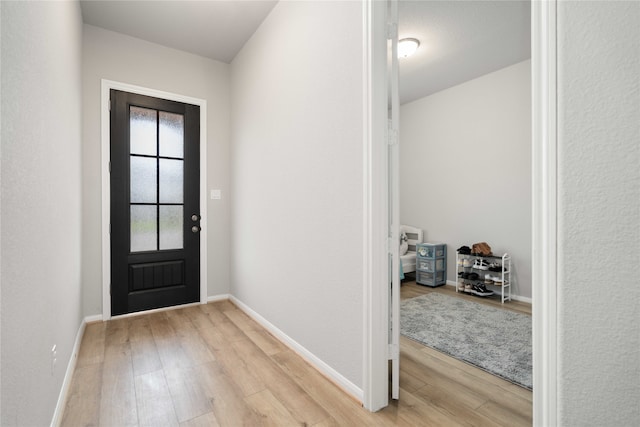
x=505, y=273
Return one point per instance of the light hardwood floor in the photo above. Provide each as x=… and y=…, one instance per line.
x=211, y=365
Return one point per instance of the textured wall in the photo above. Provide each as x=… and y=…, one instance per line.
x=41, y=203
x=598, y=204
x=297, y=178
x=113, y=56
x=465, y=167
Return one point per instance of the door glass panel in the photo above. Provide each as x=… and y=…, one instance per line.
x=171, y=181
x=144, y=233
x=171, y=134
x=143, y=180
x=171, y=227
x=142, y=131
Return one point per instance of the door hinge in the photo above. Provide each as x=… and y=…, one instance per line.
x=109, y=104
x=392, y=30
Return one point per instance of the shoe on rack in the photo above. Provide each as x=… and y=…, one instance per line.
x=481, y=264
x=467, y=263
x=480, y=290
x=495, y=266
x=494, y=278
x=473, y=276
x=464, y=250
x=468, y=288
x=487, y=280
x=461, y=285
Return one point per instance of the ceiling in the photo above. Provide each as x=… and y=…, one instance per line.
x=460, y=39
x=213, y=29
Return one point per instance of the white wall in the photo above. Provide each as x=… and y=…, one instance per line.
x=113, y=56
x=41, y=203
x=598, y=213
x=465, y=156
x=297, y=178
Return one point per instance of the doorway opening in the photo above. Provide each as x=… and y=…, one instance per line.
x=465, y=142
x=543, y=212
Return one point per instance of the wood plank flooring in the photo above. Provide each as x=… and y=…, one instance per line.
x=212, y=365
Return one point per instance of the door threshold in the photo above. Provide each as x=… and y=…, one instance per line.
x=155, y=310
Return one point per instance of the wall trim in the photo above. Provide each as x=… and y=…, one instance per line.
x=93, y=318
x=326, y=370
x=544, y=212
x=106, y=86
x=68, y=376
x=221, y=297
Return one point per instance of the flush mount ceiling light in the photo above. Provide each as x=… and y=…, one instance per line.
x=407, y=47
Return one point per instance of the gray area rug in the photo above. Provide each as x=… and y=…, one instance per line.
x=498, y=341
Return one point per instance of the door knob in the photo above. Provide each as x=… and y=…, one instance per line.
x=195, y=217
x=195, y=229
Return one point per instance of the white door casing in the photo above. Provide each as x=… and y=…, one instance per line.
x=106, y=86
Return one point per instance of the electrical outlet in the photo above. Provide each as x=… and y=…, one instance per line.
x=54, y=358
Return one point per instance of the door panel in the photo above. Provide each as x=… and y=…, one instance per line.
x=155, y=207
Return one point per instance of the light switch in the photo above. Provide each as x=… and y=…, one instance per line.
x=216, y=194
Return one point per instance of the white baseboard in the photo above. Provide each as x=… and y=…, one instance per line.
x=92, y=319
x=521, y=299
x=220, y=297
x=71, y=367
x=346, y=385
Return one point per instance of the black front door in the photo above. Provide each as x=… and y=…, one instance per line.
x=155, y=208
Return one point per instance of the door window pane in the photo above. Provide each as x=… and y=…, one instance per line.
x=171, y=134
x=142, y=131
x=143, y=179
x=171, y=181
x=171, y=227
x=144, y=233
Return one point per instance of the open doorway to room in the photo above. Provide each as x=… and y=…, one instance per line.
x=465, y=178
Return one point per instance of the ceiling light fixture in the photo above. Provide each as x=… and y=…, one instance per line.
x=407, y=47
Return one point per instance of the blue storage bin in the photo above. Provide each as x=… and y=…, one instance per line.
x=431, y=250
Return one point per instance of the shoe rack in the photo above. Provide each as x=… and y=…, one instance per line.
x=470, y=269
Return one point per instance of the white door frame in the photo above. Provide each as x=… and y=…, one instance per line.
x=375, y=208
x=544, y=211
x=106, y=86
